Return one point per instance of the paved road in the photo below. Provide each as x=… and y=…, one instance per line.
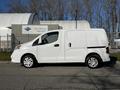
x=61, y=77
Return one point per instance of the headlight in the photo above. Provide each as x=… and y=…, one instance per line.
x=18, y=47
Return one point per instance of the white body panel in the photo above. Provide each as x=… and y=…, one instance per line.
x=76, y=52
x=73, y=46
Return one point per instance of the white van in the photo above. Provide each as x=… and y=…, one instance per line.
x=64, y=46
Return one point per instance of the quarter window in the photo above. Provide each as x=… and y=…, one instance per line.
x=36, y=42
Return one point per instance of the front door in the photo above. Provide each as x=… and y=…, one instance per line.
x=50, y=50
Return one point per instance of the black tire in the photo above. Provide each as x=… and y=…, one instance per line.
x=93, y=61
x=28, y=61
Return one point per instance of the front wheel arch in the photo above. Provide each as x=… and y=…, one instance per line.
x=30, y=55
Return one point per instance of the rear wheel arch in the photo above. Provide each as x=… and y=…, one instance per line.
x=93, y=53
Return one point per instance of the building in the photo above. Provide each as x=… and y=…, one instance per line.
x=6, y=22
x=29, y=32
x=18, y=28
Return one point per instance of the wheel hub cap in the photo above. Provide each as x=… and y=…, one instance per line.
x=93, y=62
x=28, y=62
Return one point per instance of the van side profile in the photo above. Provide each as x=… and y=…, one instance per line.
x=64, y=46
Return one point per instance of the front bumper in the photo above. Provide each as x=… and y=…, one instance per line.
x=16, y=56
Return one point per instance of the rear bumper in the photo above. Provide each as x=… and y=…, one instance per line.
x=106, y=58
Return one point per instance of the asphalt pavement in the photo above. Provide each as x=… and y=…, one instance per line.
x=59, y=77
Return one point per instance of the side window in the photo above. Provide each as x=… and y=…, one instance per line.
x=49, y=38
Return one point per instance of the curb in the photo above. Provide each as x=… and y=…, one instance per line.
x=5, y=61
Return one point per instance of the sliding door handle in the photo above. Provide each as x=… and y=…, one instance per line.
x=70, y=44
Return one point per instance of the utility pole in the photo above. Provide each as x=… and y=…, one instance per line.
x=76, y=13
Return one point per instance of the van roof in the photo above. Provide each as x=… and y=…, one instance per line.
x=92, y=29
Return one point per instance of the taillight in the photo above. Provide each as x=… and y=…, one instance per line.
x=107, y=50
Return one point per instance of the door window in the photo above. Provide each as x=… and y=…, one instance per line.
x=49, y=38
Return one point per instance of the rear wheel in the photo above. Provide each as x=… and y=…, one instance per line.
x=93, y=61
x=28, y=61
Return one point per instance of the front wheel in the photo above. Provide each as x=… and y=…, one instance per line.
x=28, y=61
x=93, y=61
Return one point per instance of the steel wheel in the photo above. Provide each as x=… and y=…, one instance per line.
x=28, y=61
x=93, y=61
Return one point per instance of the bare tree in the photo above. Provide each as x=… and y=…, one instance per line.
x=74, y=8
x=34, y=5
x=88, y=8
x=60, y=9
x=48, y=9
x=112, y=18
x=17, y=6
x=100, y=13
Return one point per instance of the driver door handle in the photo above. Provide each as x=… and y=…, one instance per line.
x=56, y=45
